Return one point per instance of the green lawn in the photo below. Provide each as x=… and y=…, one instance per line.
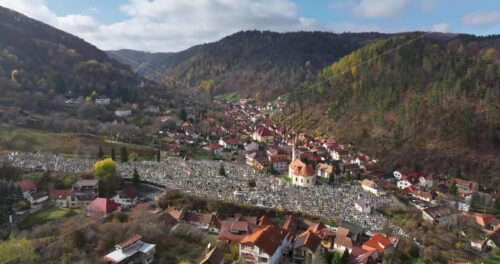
x=287, y=179
x=47, y=215
x=493, y=260
x=203, y=157
x=231, y=97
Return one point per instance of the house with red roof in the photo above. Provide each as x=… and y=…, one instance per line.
x=301, y=174
x=304, y=246
x=361, y=256
x=216, y=149
x=263, y=135
x=30, y=192
x=280, y=162
x=266, y=245
x=381, y=242
x=466, y=187
x=101, y=207
x=214, y=255
x=126, y=197
x=61, y=197
x=229, y=143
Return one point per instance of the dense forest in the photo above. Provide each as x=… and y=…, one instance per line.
x=39, y=62
x=430, y=104
x=250, y=62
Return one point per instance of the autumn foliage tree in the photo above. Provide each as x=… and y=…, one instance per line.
x=105, y=172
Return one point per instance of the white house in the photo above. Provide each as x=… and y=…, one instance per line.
x=267, y=245
x=280, y=162
x=61, y=197
x=404, y=184
x=123, y=112
x=127, y=196
x=251, y=146
x=30, y=192
x=370, y=186
x=102, y=101
x=301, y=174
x=338, y=154
x=132, y=250
x=215, y=148
x=397, y=175
x=229, y=143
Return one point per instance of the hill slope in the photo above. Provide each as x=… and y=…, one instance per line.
x=255, y=63
x=39, y=62
x=432, y=105
x=142, y=62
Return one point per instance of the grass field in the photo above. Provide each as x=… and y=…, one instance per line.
x=31, y=140
x=203, y=157
x=231, y=97
x=47, y=215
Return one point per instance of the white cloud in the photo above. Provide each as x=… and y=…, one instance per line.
x=164, y=25
x=442, y=27
x=481, y=19
x=380, y=8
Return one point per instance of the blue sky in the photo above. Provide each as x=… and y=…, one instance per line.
x=172, y=25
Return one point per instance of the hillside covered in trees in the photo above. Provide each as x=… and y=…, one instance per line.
x=251, y=63
x=430, y=105
x=142, y=62
x=39, y=62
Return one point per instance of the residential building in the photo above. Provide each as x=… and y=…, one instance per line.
x=440, y=215
x=83, y=193
x=280, y=162
x=202, y=221
x=102, y=101
x=123, y=112
x=132, y=251
x=354, y=231
x=362, y=256
x=301, y=174
x=324, y=171
x=126, y=197
x=229, y=143
x=101, y=207
x=370, y=186
x=263, y=135
x=61, y=198
x=216, y=149
x=304, y=247
x=338, y=154
x=30, y=192
x=213, y=256
x=266, y=245
x=362, y=206
x=251, y=146
x=381, y=242
x=467, y=187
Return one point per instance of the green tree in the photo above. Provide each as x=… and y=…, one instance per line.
x=100, y=154
x=222, y=171
x=331, y=178
x=271, y=170
x=345, y=256
x=158, y=156
x=251, y=183
x=336, y=258
x=497, y=204
x=135, y=178
x=474, y=201
x=123, y=154
x=453, y=189
x=113, y=157
x=181, y=114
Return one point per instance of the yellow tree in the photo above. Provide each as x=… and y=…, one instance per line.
x=14, y=75
x=104, y=168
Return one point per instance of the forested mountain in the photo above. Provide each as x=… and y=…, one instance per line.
x=254, y=63
x=39, y=63
x=430, y=105
x=142, y=62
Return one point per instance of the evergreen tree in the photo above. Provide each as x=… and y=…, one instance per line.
x=345, y=256
x=135, y=178
x=182, y=114
x=453, y=189
x=497, y=204
x=100, y=154
x=336, y=258
x=271, y=170
x=474, y=201
x=113, y=157
x=222, y=171
x=158, y=156
x=123, y=154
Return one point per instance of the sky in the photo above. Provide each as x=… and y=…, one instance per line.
x=174, y=25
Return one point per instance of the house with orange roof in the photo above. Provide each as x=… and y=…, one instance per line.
x=381, y=242
x=266, y=245
x=304, y=247
x=467, y=187
x=361, y=256
x=370, y=186
x=301, y=174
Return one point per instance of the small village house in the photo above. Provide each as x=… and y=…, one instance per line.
x=132, y=251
